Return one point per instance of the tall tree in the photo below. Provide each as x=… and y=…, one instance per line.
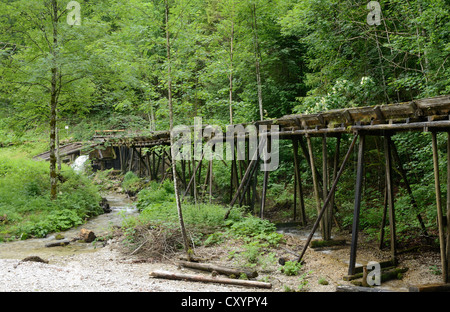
x=172, y=149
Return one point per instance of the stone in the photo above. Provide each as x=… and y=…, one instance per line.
x=87, y=235
x=105, y=205
x=34, y=259
x=58, y=243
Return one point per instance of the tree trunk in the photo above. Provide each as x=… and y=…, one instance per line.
x=53, y=102
x=230, y=76
x=257, y=63
x=173, y=162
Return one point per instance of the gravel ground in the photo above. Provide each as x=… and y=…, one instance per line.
x=107, y=270
x=104, y=270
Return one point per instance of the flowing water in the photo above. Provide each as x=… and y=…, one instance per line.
x=121, y=207
x=79, y=163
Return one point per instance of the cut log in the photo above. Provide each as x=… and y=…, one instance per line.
x=87, y=235
x=58, y=243
x=207, y=279
x=219, y=269
x=360, y=289
x=430, y=288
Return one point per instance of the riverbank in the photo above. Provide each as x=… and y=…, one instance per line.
x=103, y=266
x=106, y=269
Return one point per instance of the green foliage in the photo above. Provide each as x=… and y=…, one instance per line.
x=291, y=268
x=24, y=199
x=131, y=183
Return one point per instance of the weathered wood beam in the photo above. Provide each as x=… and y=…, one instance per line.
x=357, y=205
x=440, y=220
x=390, y=193
x=330, y=194
x=315, y=184
x=447, y=255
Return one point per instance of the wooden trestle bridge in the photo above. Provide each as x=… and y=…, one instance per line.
x=149, y=155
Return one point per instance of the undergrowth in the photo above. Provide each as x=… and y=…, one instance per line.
x=155, y=232
x=25, y=204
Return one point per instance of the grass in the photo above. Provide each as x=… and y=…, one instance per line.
x=25, y=204
x=157, y=226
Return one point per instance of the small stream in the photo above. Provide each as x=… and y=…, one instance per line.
x=121, y=207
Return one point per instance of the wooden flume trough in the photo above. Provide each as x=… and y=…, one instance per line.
x=147, y=155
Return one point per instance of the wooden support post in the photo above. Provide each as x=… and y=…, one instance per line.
x=390, y=193
x=254, y=195
x=305, y=152
x=263, y=196
x=447, y=255
x=130, y=165
x=327, y=200
x=408, y=187
x=210, y=180
x=253, y=162
x=265, y=180
x=316, y=184
x=193, y=178
x=138, y=153
x=326, y=218
x=383, y=220
x=248, y=181
x=163, y=160
x=357, y=206
x=298, y=185
x=149, y=168
x=233, y=162
x=335, y=169
x=440, y=219
x=205, y=184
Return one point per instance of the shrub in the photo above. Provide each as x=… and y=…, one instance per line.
x=25, y=199
x=131, y=183
x=291, y=268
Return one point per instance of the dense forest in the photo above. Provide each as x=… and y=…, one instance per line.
x=89, y=65
x=228, y=59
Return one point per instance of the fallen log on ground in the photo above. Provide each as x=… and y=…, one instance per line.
x=359, y=270
x=58, y=243
x=219, y=269
x=360, y=289
x=208, y=279
x=430, y=288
